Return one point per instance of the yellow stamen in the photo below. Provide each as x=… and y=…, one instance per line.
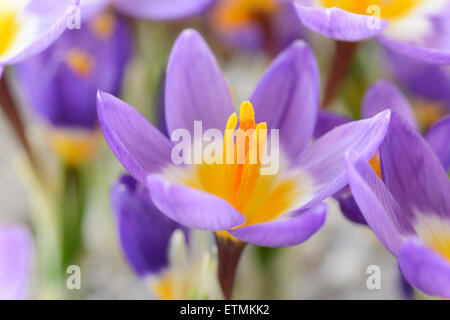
x=74, y=148
x=80, y=61
x=234, y=13
x=258, y=197
x=104, y=25
x=9, y=28
x=389, y=9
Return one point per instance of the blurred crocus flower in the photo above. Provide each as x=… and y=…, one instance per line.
x=256, y=24
x=382, y=96
x=281, y=209
x=60, y=84
x=156, y=10
x=410, y=211
x=417, y=29
x=15, y=255
x=157, y=247
x=426, y=81
x=29, y=26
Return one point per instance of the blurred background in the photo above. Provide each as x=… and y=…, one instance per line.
x=331, y=265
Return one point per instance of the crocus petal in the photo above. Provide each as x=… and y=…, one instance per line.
x=339, y=24
x=195, y=87
x=425, y=269
x=287, y=231
x=429, y=55
x=384, y=95
x=324, y=161
x=379, y=208
x=47, y=20
x=428, y=81
x=161, y=10
x=406, y=157
x=15, y=251
x=327, y=121
x=287, y=97
x=137, y=144
x=144, y=231
x=349, y=207
x=192, y=208
x=438, y=138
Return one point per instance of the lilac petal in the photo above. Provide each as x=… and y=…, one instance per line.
x=326, y=121
x=339, y=24
x=286, y=231
x=144, y=231
x=15, y=252
x=192, y=208
x=425, y=269
x=162, y=10
x=51, y=20
x=384, y=95
x=424, y=54
x=413, y=173
x=428, y=81
x=438, y=138
x=349, y=207
x=324, y=159
x=136, y=143
x=287, y=97
x=377, y=205
x=195, y=87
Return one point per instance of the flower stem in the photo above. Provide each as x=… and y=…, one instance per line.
x=9, y=108
x=342, y=60
x=229, y=252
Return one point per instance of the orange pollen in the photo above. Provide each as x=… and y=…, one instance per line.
x=80, y=62
x=104, y=25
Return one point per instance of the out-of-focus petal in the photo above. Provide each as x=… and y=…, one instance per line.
x=44, y=21
x=162, y=10
x=144, y=231
x=339, y=24
x=438, y=138
x=195, y=87
x=384, y=95
x=425, y=269
x=287, y=97
x=327, y=120
x=324, y=160
x=192, y=208
x=424, y=80
x=15, y=254
x=413, y=172
x=136, y=143
x=289, y=230
x=349, y=207
x=432, y=45
x=379, y=208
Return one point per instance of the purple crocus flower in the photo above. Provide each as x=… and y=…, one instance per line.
x=156, y=10
x=417, y=29
x=425, y=81
x=382, y=96
x=144, y=231
x=29, y=26
x=263, y=24
x=61, y=83
x=410, y=211
x=15, y=252
x=268, y=210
